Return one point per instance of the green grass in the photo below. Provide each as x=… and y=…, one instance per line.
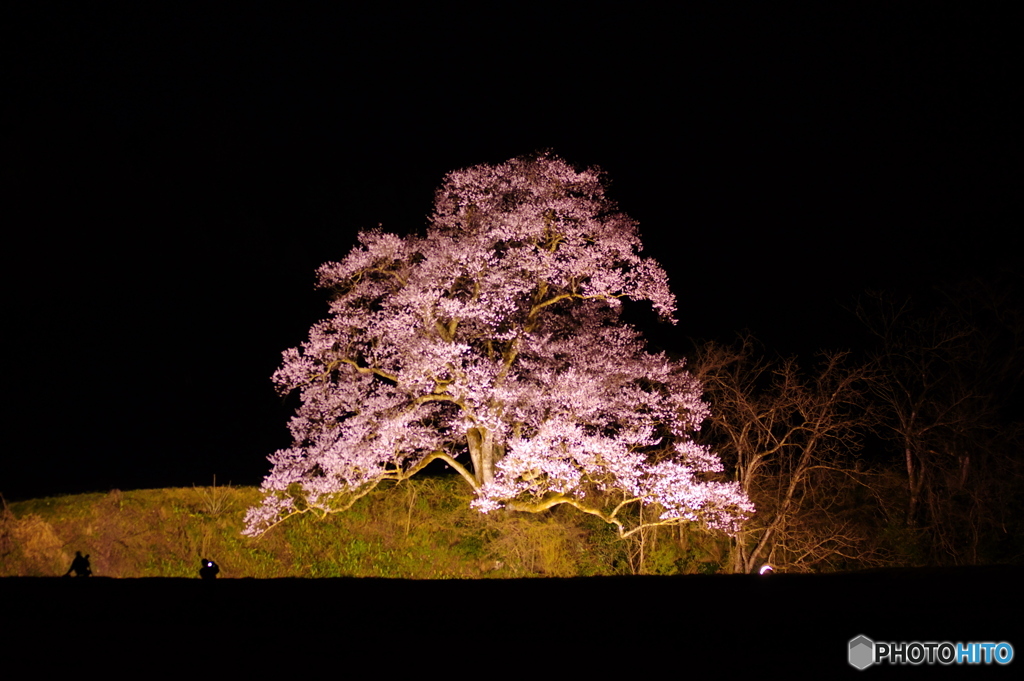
x=421, y=529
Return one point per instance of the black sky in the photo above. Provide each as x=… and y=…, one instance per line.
x=175, y=178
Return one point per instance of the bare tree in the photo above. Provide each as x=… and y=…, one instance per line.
x=792, y=437
x=951, y=364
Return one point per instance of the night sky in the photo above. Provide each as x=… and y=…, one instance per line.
x=174, y=179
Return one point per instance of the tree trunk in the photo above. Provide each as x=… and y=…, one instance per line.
x=484, y=452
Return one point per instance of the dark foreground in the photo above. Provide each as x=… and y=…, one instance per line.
x=669, y=627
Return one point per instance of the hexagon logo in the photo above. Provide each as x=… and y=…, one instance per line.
x=862, y=652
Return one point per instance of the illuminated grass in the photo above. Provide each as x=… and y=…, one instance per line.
x=421, y=529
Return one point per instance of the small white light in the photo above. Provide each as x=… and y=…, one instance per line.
x=765, y=569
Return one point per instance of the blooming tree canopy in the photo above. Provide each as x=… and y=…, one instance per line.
x=494, y=342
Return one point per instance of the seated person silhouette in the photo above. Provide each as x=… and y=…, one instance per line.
x=80, y=566
x=209, y=569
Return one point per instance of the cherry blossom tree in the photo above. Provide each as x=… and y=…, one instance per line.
x=494, y=343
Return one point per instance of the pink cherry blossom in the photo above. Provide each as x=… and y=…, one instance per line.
x=494, y=342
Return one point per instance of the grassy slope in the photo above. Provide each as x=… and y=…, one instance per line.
x=422, y=529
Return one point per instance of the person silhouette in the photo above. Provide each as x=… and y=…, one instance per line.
x=80, y=566
x=209, y=569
